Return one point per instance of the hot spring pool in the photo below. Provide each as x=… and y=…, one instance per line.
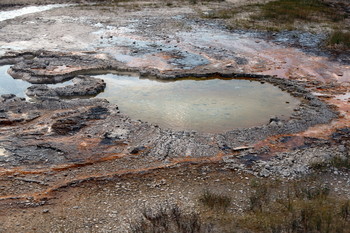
x=209, y=105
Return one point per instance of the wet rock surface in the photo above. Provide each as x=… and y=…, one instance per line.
x=43, y=67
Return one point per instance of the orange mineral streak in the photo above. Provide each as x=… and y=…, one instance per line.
x=37, y=196
x=322, y=131
x=280, y=143
x=87, y=144
x=326, y=130
x=87, y=163
x=157, y=61
x=61, y=167
x=190, y=159
x=296, y=64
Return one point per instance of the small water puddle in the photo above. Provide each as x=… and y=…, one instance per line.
x=212, y=105
x=5, y=15
x=9, y=85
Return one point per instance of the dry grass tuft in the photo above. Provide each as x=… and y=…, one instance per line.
x=303, y=208
x=214, y=200
x=340, y=39
x=169, y=219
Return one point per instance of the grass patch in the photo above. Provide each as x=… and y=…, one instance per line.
x=259, y=196
x=336, y=162
x=340, y=39
x=302, y=208
x=204, y=1
x=221, y=14
x=215, y=201
x=281, y=15
x=169, y=219
x=288, y=11
x=271, y=206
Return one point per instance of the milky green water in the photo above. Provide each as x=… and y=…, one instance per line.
x=211, y=106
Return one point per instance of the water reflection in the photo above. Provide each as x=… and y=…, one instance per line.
x=208, y=105
x=9, y=85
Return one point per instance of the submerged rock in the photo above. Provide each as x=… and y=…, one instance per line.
x=82, y=86
x=8, y=96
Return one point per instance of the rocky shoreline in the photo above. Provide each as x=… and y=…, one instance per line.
x=160, y=144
